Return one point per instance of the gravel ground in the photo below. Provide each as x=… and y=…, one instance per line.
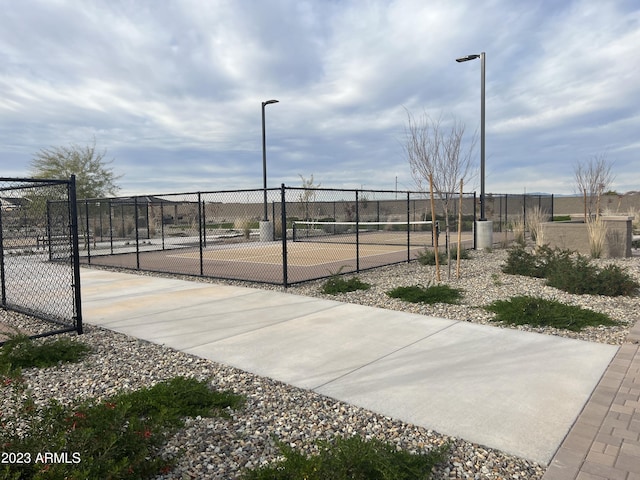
x=221, y=448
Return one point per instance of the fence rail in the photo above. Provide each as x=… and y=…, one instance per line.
x=39, y=259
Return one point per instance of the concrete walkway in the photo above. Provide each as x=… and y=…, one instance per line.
x=515, y=391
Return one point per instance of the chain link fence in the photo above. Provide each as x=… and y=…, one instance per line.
x=307, y=233
x=505, y=209
x=39, y=262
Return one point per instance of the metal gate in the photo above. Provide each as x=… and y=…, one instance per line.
x=39, y=262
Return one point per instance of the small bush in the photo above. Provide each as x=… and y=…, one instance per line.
x=119, y=437
x=428, y=256
x=430, y=295
x=337, y=284
x=572, y=273
x=539, y=312
x=22, y=352
x=521, y=262
x=351, y=459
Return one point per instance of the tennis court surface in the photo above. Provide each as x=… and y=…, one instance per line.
x=311, y=256
x=264, y=261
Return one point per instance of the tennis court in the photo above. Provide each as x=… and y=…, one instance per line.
x=274, y=262
x=298, y=254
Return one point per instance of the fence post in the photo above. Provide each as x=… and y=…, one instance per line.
x=283, y=202
x=162, y=222
x=135, y=217
x=200, y=228
x=2, y=279
x=357, y=235
x=204, y=222
x=75, y=254
x=475, y=218
x=409, y=227
x=50, y=248
x=110, y=229
x=506, y=211
x=86, y=231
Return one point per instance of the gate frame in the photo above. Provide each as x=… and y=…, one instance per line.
x=74, y=258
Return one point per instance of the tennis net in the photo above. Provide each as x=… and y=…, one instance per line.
x=372, y=233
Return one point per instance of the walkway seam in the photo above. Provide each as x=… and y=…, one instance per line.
x=385, y=355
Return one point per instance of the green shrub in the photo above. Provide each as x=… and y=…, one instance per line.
x=428, y=256
x=572, y=273
x=432, y=294
x=119, y=437
x=538, y=312
x=22, y=352
x=351, y=459
x=337, y=284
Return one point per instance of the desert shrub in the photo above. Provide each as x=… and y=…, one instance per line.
x=521, y=262
x=337, y=284
x=351, y=458
x=118, y=437
x=614, y=281
x=597, y=231
x=428, y=256
x=518, y=226
x=243, y=224
x=538, y=312
x=430, y=295
x=535, y=219
x=22, y=352
x=572, y=273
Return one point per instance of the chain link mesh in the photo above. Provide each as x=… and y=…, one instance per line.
x=224, y=234
x=37, y=256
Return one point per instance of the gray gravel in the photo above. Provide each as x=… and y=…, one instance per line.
x=221, y=448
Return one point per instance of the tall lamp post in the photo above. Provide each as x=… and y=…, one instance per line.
x=265, y=230
x=485, y=231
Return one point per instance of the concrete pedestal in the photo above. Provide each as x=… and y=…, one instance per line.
x=484, y=234
x=266, y=231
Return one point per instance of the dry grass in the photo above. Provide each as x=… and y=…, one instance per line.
x=536, y=217
x=517, y=225
x=597, y=231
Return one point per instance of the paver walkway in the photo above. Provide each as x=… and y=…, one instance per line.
x=604, y=443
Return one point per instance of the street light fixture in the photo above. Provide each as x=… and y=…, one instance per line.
x=481, y=56
x=264, y=159
x=483, y=232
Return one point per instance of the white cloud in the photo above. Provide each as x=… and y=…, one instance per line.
x=177, y=85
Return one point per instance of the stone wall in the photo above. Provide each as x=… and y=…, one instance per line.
x=574, y=236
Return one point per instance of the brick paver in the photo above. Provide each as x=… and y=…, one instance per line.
x=604, y=443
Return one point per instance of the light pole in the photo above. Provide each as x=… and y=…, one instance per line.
x=264, y=160
x=487, y=228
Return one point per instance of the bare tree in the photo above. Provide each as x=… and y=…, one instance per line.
x=438, y=150
x=593, y=178
x=307, y=197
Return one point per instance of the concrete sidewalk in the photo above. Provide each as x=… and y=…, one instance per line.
x=515, y=391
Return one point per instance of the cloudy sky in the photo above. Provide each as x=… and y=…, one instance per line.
x=172, y=89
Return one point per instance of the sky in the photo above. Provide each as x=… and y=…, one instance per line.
x=173, y=89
